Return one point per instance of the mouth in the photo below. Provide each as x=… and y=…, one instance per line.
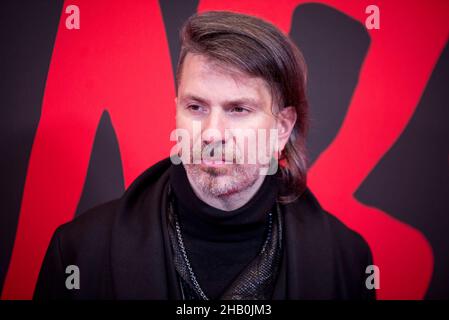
x=214, y=162
x=212, y=157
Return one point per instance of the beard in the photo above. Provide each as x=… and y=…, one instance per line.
x=222, y=181
x=232, y=177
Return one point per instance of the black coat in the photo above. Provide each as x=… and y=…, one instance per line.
x=122, y=250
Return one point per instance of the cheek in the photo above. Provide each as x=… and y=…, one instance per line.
x=187, y=124
x=265, y=137
x=183, y=122
x=256, y=121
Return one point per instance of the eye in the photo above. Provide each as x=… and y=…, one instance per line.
x=239, y=109
x=195, y=108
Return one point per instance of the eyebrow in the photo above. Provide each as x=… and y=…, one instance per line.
x=238, y=101
x=191, y=97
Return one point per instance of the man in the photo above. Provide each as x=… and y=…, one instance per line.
x=215, y=221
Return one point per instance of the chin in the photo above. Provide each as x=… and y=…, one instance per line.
x=216, y=171
x=224, y=191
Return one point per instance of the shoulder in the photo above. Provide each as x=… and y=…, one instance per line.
x=92, y=229
x=90, y=226
x=352, y=257
x=83, y=243
x=351, y=254
x=348, y=244
x=308, y=212
x=330, y=246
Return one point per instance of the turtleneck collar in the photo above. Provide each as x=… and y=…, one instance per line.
x=200, y=220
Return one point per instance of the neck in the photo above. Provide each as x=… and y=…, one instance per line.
x=228, y=202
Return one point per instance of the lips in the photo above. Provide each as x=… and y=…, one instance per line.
x=211, y=156
x=214, y=161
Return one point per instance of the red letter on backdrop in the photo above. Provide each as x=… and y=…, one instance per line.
x=118, y=60
x=401, y=58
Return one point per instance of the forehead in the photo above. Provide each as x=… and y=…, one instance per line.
x=210, y=79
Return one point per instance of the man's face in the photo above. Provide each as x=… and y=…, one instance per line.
x=221, y=100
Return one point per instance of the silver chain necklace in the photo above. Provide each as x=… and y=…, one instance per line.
x=192, y=276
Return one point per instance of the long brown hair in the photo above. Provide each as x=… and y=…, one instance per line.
x=259, y=49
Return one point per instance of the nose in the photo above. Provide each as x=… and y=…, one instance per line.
x=214, y=127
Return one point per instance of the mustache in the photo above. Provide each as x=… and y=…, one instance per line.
x=217, y=151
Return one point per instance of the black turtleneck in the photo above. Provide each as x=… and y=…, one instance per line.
x=220, y=243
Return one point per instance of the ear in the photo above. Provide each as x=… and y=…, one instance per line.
x=286, y=120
